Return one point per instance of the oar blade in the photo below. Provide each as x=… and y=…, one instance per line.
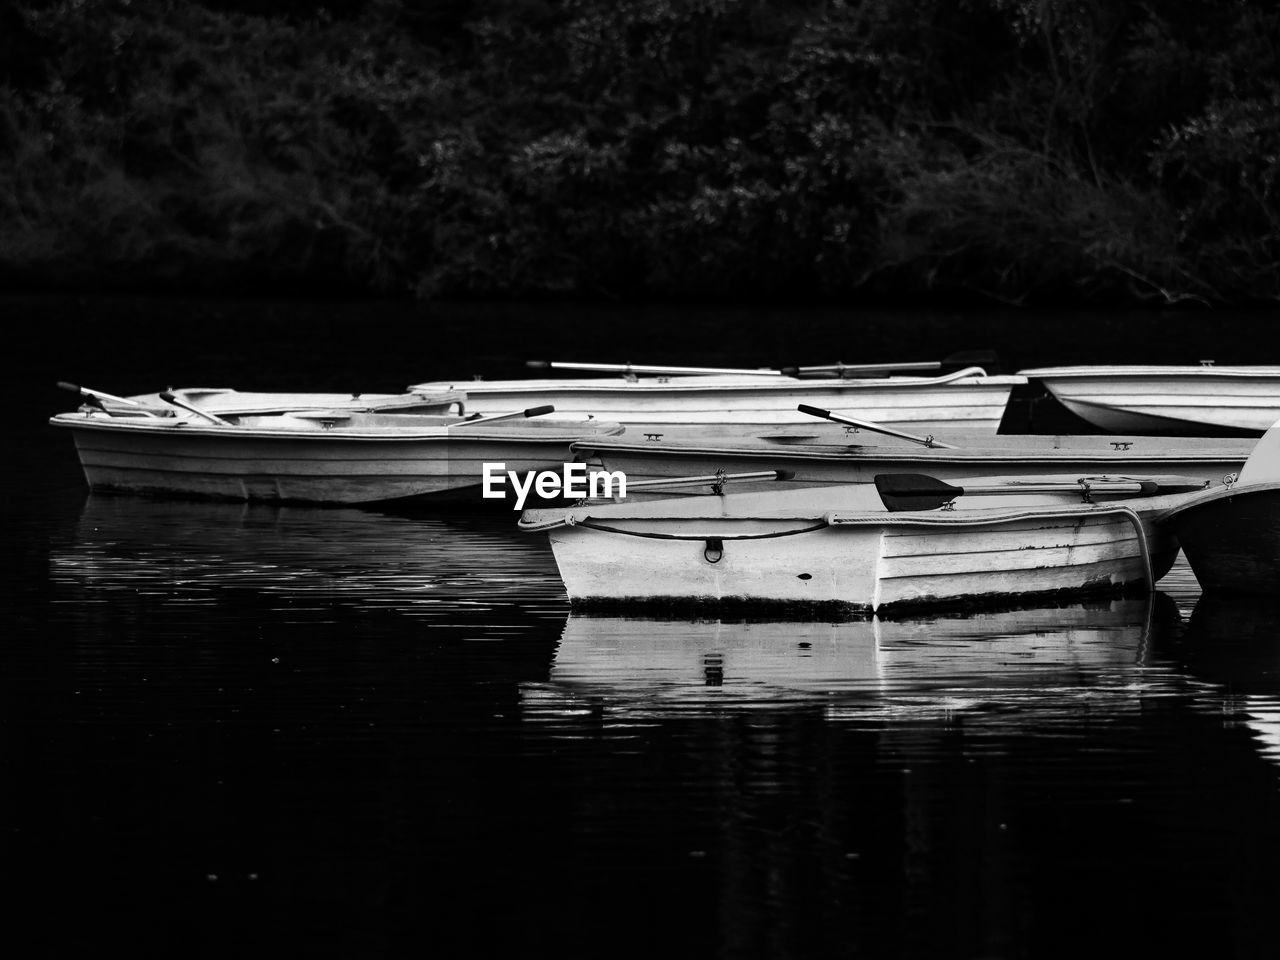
x=913, y=491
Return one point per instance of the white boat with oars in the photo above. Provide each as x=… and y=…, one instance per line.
x=906, y=539
x=813, y=459
x=667, y=396
x=311, y=454
x=1167, y=399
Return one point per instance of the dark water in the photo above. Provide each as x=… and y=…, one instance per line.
x=237, y=730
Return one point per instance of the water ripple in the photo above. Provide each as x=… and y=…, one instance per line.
x=1041, y=659
x=191, y=552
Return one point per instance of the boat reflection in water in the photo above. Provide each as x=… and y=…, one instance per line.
x=1233, y=644
x=893, y=667
x=192, y=552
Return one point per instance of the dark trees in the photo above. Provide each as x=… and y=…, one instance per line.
x=1021, y=151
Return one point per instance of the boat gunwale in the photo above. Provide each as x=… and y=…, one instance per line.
x=1213, y=494
x=181, y=426
x=1140, y=371
x=862, y=452
x=1145, y=509
x=737, y=383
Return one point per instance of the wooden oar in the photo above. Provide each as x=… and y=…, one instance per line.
x=96, y=394
x=168, y=397
x=917, y=491
x=873, y=427
x=630, y=368
x=494, y=418
x=713, y=478
x=965, y=358
x=859, y=369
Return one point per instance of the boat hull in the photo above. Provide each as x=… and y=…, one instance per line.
x=320, y=467
x=1232, y=540
x=860, y=562
x=1167, y=399
x=975, y=403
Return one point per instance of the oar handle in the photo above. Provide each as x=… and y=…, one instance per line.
x=1146, y=488
x=873, y=427
x=168, y=397
x=518, y=414
x=97, y=394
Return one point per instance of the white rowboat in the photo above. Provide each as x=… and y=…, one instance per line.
x=967, y=398
x=316, y=456
x=1167, y=399
x=841, y=545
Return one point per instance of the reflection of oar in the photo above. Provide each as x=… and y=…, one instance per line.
x=168, y=397
x=531, y=412
x=96, y=394
x=873, y=427
x=628, y=368
x=715, y=479
x=916, y=491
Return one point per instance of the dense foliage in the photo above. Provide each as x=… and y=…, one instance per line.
x=1022, y=150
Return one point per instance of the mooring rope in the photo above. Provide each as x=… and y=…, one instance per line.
x=678, y=536
x=1136, y=520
